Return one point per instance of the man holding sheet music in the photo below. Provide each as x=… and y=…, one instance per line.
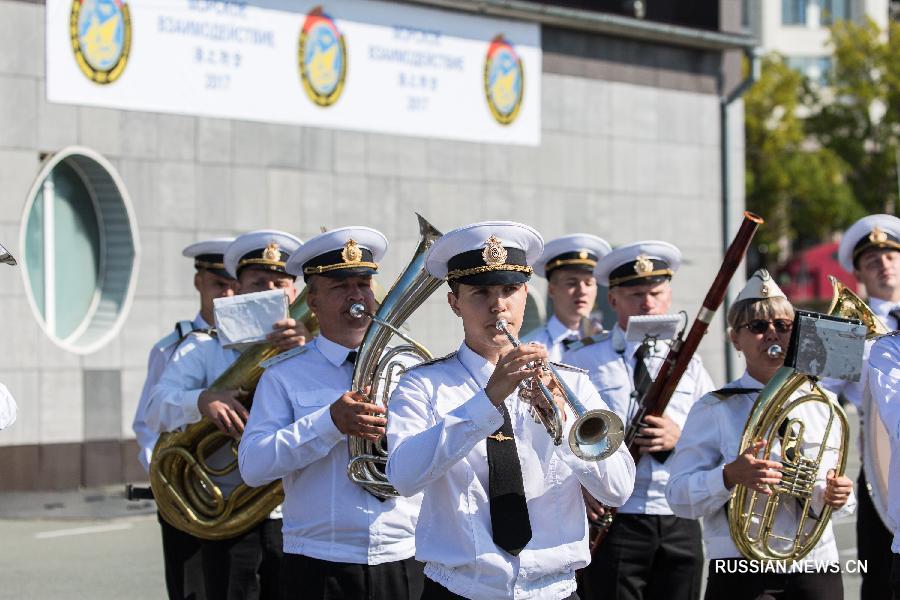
x=247, y=566
x=648, y=553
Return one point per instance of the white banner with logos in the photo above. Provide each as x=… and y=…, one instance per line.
x=346, y=64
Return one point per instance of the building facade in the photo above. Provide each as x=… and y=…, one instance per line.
x=631, y=138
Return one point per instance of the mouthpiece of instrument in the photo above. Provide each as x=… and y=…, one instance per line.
x=501, y=324
x=775, y=351
x=357, y=311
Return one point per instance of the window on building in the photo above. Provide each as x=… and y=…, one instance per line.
x=793, y=12
x=79, y=250
x=831, y=11
x=816, y=68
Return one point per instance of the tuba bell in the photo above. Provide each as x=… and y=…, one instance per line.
x=181, y=475
x=377, y=369
x=775, y=418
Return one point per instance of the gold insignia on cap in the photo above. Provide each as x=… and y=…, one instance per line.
x=271, y=253
x=351, y=252
x=494, y=252
x=643, y=265
x=877, y=235
x=582, y=254
x=764, y=277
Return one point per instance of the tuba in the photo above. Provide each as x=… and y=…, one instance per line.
x=180, y=472
x=595, y=435
x=751, y=515
x=876, y=452
x=377, y=370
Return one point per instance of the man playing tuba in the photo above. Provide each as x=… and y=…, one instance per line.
x=339, y=540
x=502, y=513
x=708, y=462
x=245, y=566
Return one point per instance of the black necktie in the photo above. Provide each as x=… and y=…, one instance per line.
x=642, y=383
x=896, y=314
x=567, y=343
x=509, y=512
x=351, y=357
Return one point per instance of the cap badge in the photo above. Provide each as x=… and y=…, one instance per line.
x=351, y=252
x=764, y=277
x=582, y=254
x=494, y=252
x=877, y=235
x=271, y=253
x=642, y=264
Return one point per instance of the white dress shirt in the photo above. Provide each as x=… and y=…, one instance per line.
x=551, y=336
x=439, y=420
x=711, y=438
x=610, y=364
x=290, y=435
x=7, y=408
x=195, y=365
x=884, y=384
x=853, y=390
x=159, y=355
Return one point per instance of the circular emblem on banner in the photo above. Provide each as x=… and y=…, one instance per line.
x=322, y=58
x=504, y=80
x=100, y=31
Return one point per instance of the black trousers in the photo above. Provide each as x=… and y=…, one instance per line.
x=183, y=566
x=646, y=557
x=435, y=591
x=313, y=579
x=246, y=567
x=895, y=577
x=735, y=585
x=873, y=545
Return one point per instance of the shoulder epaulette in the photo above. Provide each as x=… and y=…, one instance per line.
x=211, y=332
x=283, y=356
x=431, y=362
x=726, y=393
x=591, y=339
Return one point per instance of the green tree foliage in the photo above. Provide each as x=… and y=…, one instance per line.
x=799, y=187
x=858, y=115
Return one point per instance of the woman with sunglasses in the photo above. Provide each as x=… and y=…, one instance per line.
x=708, y=463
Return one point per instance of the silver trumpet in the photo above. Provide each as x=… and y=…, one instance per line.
x=595, y=435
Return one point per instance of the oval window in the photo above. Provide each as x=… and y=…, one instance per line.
x=79, y=249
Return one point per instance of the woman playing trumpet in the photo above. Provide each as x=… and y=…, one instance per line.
x=708, y=463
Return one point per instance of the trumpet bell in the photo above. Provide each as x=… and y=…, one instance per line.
x=596, y=435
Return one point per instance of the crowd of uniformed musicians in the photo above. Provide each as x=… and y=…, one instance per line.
x=489, y=507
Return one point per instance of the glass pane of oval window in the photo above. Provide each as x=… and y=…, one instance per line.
x=79, y=249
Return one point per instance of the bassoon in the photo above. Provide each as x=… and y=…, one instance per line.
x=681, y=351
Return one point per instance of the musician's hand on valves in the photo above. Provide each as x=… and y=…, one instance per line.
x=225, y=410
x=658, y=434
x=287, y=334
x=353, y=414
x=754, y=473
x=837, y=489
x=512, y=368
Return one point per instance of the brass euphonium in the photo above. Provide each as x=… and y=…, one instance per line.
x=751, y=515
x=376, y=368
x=181, y=476
x=595, y=435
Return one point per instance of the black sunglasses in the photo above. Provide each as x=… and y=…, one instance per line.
x=761, y=325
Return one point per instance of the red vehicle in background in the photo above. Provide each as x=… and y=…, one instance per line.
x=804, y=278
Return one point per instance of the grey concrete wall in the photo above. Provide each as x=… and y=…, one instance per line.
x=630, y=150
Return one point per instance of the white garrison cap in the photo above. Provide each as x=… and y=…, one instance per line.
x=760, y=286
x=488, y=253
x=638, y=263
x=340, y=252
x=209, y=255
x=578, y=250
x=873, y=231
x=264, y=248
